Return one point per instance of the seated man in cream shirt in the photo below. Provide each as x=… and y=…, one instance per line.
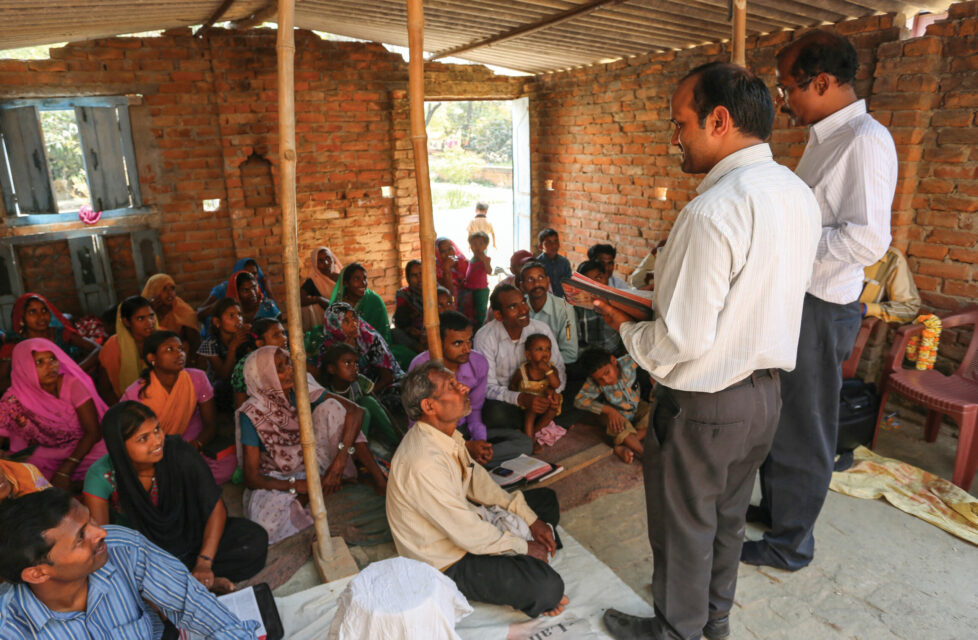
x=433, y=499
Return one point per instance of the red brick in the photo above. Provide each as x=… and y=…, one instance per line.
x=964, y=255
x=961, y=289
x=954, y=238
x=943, y=269
x=924, y=250
x=925, y=46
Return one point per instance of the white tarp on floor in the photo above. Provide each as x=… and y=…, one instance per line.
x=590, y=584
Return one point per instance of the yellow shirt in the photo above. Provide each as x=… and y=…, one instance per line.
x=889, y=291
x=430, y=494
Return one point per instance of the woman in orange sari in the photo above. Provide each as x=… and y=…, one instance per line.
x=182, y=398
x=20, y=478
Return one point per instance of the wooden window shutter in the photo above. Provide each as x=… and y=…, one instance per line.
x=28, y=165
x=101, y=141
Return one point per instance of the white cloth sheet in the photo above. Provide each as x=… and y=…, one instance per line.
x=399, y=598
x=590, y=584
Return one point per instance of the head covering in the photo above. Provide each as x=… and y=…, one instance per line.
x=187, y=491
x=323, y=284
x=273, y=415
x=340, y=289
x=181, y=315
x=58, y=319
x=518, y=259
x=220, y=290
x=49, y=411
x=233, y=287
x=371, y=346
x=461, y=264
x=130, y=360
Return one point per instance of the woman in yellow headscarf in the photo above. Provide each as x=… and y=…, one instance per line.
x=120, y=356
x=172, y=313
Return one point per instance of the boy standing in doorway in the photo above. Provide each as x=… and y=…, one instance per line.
x=481, y=223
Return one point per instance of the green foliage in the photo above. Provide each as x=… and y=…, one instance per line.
x=458, y=199
x=63, y=147
x=483, y=127
x=455, y=165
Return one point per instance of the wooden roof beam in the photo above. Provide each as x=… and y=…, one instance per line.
x=549, y=21
x=220, y=11
x=265, y=14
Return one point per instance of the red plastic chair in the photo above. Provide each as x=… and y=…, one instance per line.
x=955, y=396
x=865, y=330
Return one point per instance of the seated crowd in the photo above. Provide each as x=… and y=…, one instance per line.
x=146, y=427
x=144, y=416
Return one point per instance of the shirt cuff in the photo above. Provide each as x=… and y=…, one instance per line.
x=523, y=510
x=873, y=310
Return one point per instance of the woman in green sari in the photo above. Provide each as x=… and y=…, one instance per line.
x=351, y=287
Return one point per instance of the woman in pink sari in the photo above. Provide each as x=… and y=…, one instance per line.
x=53, y=404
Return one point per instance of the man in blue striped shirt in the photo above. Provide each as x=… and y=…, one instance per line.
x=73, y=579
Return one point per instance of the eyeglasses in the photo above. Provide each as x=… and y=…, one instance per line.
x=784, y=90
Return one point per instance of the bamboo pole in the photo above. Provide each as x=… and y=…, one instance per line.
x=419, y=140
x=285, y=48
x=739, y=35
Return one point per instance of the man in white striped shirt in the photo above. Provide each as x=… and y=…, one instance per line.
x=728, y=300
x=502, y=341
x=851, y=165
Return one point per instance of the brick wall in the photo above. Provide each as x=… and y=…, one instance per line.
x=205, y=128
x=602, y=135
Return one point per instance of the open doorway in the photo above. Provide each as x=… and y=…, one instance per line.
x=478, y=152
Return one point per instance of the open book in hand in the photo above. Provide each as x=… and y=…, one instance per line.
x=582, y=291
x=253, y=603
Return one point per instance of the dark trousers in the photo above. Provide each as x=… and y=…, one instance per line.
x=522, y=582
x=504, y=430
x=795, y=477
x=701, y=455
x=240, y=553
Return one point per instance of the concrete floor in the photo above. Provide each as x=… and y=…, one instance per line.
x=878, y=573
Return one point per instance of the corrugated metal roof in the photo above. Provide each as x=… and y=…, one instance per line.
x=617, y=28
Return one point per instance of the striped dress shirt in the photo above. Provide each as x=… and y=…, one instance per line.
x=851, y=165
x=505, y=355
x=136, y=572
x=731, y=279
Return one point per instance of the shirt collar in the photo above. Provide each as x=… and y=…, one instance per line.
x=38, y=613
x=829, y=124
x=447, y=444
x=748, y=155
x=547, y=308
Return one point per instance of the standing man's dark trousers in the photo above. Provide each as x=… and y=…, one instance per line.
x=520, y=581
x=795, y=477
x=700, y=459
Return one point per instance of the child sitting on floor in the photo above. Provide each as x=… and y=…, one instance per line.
x=612, y=392
x=474, y=295
x=341, y=375
x=537, y=376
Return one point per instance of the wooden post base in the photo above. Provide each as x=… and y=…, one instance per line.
x=340, y=565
